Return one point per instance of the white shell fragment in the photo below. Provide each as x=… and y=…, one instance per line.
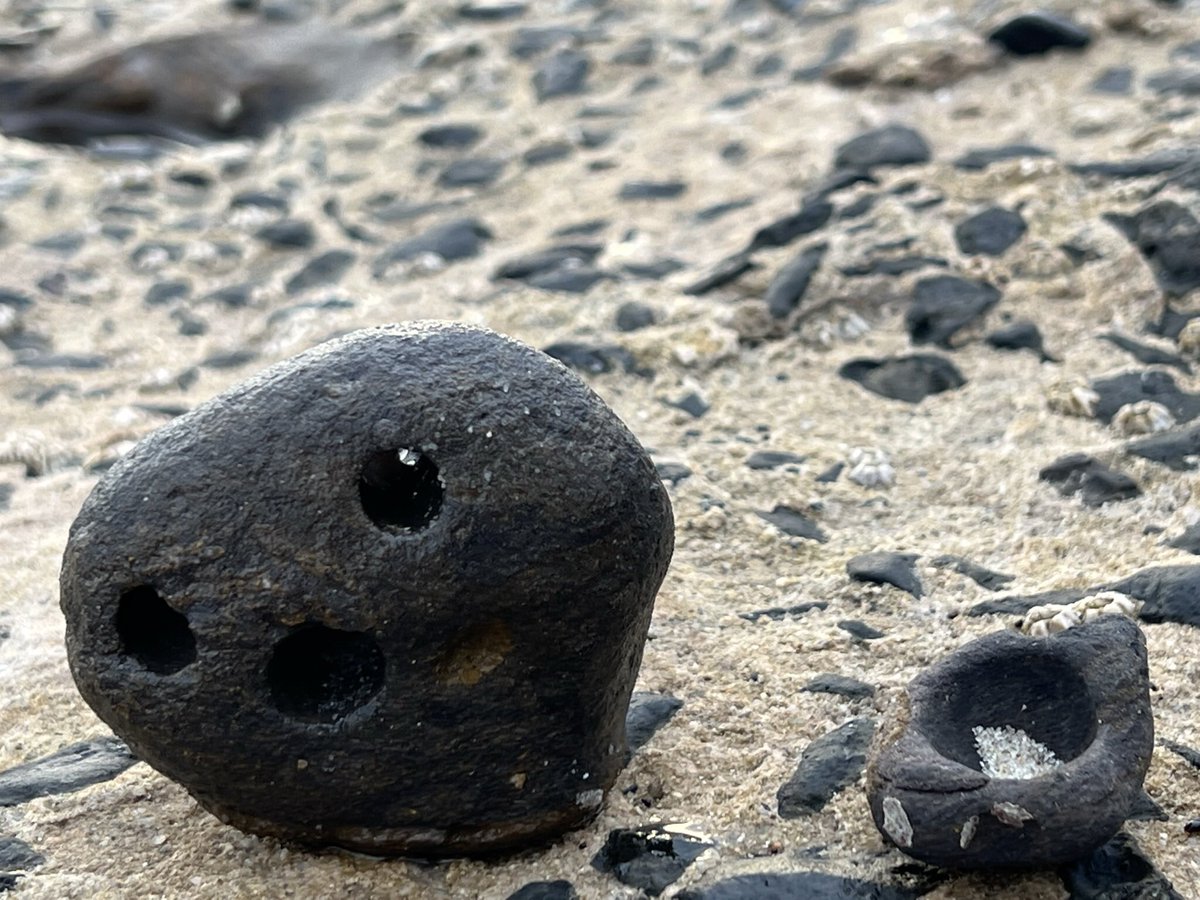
x=968, y=832
x=1009, y=752
x=871, y=468
x=1041, y=621
x=1011, y=814
x=895, y=822
x=1143, y=417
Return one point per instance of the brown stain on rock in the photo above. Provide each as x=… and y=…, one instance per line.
x=474, y=652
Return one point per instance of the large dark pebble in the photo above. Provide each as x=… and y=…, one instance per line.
x=829, y=764
x=650, y=858
x=990, y=232
x=648, y=712
x=790, y=283
x=1035, y=33
x=427, y=499
x=892, y=145
x=1132, y=387
x=1145, y=353
x=69, y=769
x=321, y=271
x=1168, y=236
x=1094, y=482
x=908, y=378
x=943, y=305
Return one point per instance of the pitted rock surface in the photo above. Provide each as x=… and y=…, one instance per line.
x=390, y=594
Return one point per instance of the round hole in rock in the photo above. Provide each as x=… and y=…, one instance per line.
x=1036, y=692
x=400, y=489
x=320, y=674
x=151, y=632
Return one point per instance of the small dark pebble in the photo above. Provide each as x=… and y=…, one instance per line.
x=545, y=890
x=1138, y=167
x=778, y=613
x=1168, y=236
x=452, y=241
x=568, y=280
x=718, y=210
x=829, y=764
x=725, y=272
x=794, y=523
x=562, y=75
x=671, y=472
x=69, y=769
x=842, y=685
x=260, y=200
x=943, y=305
x=982, y=157
x=233, y=296
x=1152, y=384
x=1019, y=605
x=651, y=190
x=772, y=459
x=892, y=145
x=321, y=271
x=908, y=378
x=982, y=576
x=1035, y=33
x=1184, y=751
x=1020, y=335
x=1094, y=482
x=692, y=404
x=1117, y=871
x=479, y=171
x=648, y=712
x=1189, y=540
x=35, y=359
x=16, y=855
x=859, y=630
x=68, y=243
x=529, y=42
x=6, y=492
x=1114, y=80
x=1178, y=449
x=231, y=359
x=1192, y=827
x=797, y=886
x=893, y=267
x=1181, y=82
x=288, y=234
x=634, y=315
x=653, y=271
x=454, y=136
x=812, y=215
x=718, y=60
x=555, y=257
x=587, y=228
x=542, y=154
x=882, y=567
x=1170, y=593
x=640, y=51
x=990, y=232
x=790, y=283
x=591, y=358
x=830, y=475
x=491, y=12
x=649, y=858
x=1145, y=353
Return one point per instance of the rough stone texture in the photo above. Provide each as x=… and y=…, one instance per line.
x=1055, y=689
x=375, y=626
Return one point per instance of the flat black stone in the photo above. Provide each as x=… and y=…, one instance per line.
x=909, y=378
x=634, y=315
x=982, y=576
x=321, y=271
x=479, y=171
x=640, y=51
x=718, y=60
x=830, y=475
x=943, y=305
x=36, y=359
x=654, y=271
x=1170, y=593
x=790, y=283
x=1145, y=353
x=772, y=459
x=1131, y=387
x=568, y=280
x=794, y=523
x=586, y=228
x=829, y=764
x=811, y=216
x=451, y=136
x=1117, y=871
x=648, y=712
x=1020, y=335
x=719, y=210
x=69, y=769
x=692, y=404
x=529, y=42
x=891, y=145
x=893, y=267
x=1035, y=33
x=980, y=158
x=648, y=857
x=882, y=567
x=562, y=75
x=542, y=154
x=1019, y=605
x=797, y=886
x=1189, y=540
x=595, y=359
x=1094, y=482
x=725, y=272
x=231, y=359
x=779, y=613
x=233, y=296
x=1137, y=167
x=6, y=493
x=287, y=234
x=990, y=232
x=859, y=630
x=672, y=473
x=651, y=190
x=492, y=12
x=1183, y=751
x=269, y=200
x=1177, y=449
x=16, y=855
x=452, y=241
x=1168, y=236
x=545, y=890
x=555, y=257
x=842, y=685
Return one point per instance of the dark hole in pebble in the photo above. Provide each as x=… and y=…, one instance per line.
x=320, y=674
x=400, y=489
x=1033, y=692
x=151, y=632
